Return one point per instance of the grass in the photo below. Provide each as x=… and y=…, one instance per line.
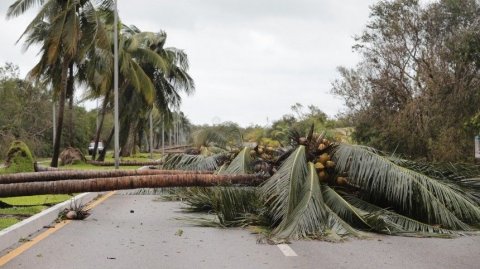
x=6, y=222
x=36, y=199
x=31, y=205
x=139, y=157
x=24, y=210
x=25, y=206
x=86, y=166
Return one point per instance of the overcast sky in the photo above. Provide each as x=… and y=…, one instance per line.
x=250, y=59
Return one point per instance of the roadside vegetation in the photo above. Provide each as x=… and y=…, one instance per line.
x=398, y=161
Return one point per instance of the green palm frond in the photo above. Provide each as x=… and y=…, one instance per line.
x=456, y=176
x=282, y=191
x=241, y=164
x=387, y=221
x=414, y=193
x=232, y=206
x=21, y=6
x=309, y=217
x=192, y=162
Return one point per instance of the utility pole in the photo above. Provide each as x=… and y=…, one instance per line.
x=115, y=86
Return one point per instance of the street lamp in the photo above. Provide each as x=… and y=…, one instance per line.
x=115, y=86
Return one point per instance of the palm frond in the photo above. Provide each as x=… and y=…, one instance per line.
x=282, y=191
x=192, y=162
x=309, y=218
x=232, y=206
x=456, y=176
x=415, y=194
x=386, y=221
x=241, y=164
x=207, y=137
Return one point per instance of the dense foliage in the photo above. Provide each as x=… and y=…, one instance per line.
x=419, y=78
x=26, y=115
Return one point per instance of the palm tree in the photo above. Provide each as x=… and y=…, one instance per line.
x=168, y=79
x=124, y=182
x=329, y=190
x=65, y=30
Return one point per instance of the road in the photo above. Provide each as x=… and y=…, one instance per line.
x=153, y=237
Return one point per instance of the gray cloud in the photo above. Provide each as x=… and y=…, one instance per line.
x=251, y=60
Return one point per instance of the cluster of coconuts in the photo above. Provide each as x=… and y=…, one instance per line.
x=325, y=166
x=265, y=153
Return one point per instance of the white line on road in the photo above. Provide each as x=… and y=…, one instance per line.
x=287, y=250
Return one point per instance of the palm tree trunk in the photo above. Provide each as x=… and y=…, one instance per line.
x=127, y=147
x=101, y=156
x=61, y=111
x=80, y=174
x=70, y=96
x=122, y=183
x=100, y=124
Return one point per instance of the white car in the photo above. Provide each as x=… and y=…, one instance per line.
x=92, y=145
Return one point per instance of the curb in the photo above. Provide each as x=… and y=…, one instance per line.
x=24, y=229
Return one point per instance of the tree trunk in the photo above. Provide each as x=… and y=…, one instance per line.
x=73, y=174
x=127, y=147
x=122, y=183
x=70, y=96
x=100, y=125
x=61, y=111
x=101, y=156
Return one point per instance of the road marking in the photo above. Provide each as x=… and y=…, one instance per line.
x=27, y=245
x=99, y=200
x=287, y=250
x=14, y=253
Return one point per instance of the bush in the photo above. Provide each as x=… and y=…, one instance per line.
x=19, y=159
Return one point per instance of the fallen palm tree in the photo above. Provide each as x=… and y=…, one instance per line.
x=125, y=163
x=126, y=182
x=80, y=174
x=320, y=189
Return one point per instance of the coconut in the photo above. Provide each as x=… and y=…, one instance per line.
x=319, y=166
x=323, y=176
x=71, y=214
x=342, y=181
x=321, y=147
x=302, y=141
x=330, y=164
x=324, y=158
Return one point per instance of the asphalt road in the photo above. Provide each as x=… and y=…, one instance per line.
x=153, y=237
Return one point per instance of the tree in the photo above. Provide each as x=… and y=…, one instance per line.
x=126, y=182
x=25, y=113
x=169, y=77
x=65, y=29
x=325, y=190
x=418, y=78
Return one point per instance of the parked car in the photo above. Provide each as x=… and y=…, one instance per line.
x=92, y=145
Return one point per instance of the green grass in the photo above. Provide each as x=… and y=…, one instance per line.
x=86, y=166
x=31, y=205
x=24, y=210
x=6, y=222
x=36, y=200
x=139, y=157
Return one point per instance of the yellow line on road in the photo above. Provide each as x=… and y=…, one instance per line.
x=27, y=245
